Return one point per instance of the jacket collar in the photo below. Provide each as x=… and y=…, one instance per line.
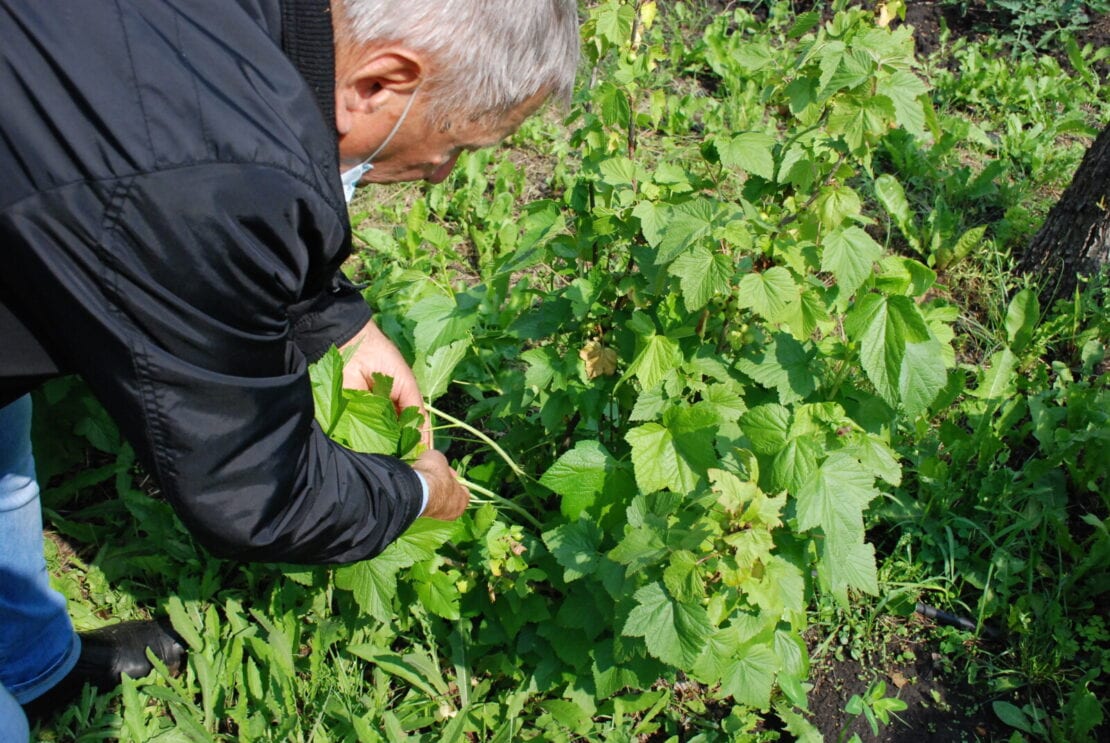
x=308, y=39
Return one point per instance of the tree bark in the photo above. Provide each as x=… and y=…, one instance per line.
x=1075, y=238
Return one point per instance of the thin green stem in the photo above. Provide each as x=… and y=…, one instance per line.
x=516, y=468
x=501, y=501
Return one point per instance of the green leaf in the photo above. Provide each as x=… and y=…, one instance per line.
x=905, y=89
x=893, y=198
x=834, y=205
x=675, y=632
x=998, y=380
x=579, y=476
x=417, y=669
x=658, y=357
x=575, y=548
x=434, y=372
x=751, y=675
x=683, y=225
x=795, y=464
x=750, y=151
x=441, y=320
x=437, y=591
x=923, y=376
x=677, y=454
x=767, y=427
x=326, y=377
x=641, y=546
x=614, y=22
x=373, y=584
x=783, y=365
x=769, y=293
x=884, y=326
x=861, y=121
x=682, y=577
x=833, y=499
x=702, y=276
x=1021, y=319
x=1012, y=716
x=850, y=256
x=851, y=566
x=969, y=241
x=369, y=423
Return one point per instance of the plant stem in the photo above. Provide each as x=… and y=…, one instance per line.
x=501, y=501
x=516, y=468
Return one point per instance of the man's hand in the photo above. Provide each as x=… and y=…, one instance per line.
x=447, y=498
x=375, y=353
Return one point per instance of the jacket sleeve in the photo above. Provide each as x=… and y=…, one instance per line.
x=178, y=314
x=331, y=318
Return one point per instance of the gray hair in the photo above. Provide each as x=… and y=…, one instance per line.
x=489, y=56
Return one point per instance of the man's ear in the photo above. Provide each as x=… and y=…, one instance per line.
x=372, y=80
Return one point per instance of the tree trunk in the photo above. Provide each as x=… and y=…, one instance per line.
x=1075, y=238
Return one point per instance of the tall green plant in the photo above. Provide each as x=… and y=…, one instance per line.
x=696, y=356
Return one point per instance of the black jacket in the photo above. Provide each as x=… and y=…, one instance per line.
x=171, y=228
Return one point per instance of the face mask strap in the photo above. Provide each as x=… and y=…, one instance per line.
x=396, y=126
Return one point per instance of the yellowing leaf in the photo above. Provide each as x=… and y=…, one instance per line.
x=600, y=360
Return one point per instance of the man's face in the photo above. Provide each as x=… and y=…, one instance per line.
x=422, y=149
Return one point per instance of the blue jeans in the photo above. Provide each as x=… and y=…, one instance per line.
x=38, y=646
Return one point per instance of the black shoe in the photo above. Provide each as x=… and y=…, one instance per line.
x=108, y=653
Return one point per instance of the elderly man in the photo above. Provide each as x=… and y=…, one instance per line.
x=172, y=221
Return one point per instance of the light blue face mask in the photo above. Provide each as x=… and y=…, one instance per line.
x=352, y=176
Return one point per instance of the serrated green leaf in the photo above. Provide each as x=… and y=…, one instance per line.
x=676, y=455
x=923, y=376
x=658, y=356
x=804, y=316
x=326, y=377
x=851, y=565
x=783, y=365
x=682, y=226
x=641, y=546
x=850, y=255
x=675, y=632
x=884, y=326
x=682, y=577
x=441, y=320
x=434, y=373
x=368, y=424
x=437, y=592
x=750, y=151
x=877, y=457
x=795, y=464
x=768, y=293
x=579, y=476
x=614, y=22
x=767, y=427
x=575, y=548
x=834, y=205
x=860, y=120
x=751, y=676
x=905, y=89
x=780, y=589
x=833, y=499
x=702, y=276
